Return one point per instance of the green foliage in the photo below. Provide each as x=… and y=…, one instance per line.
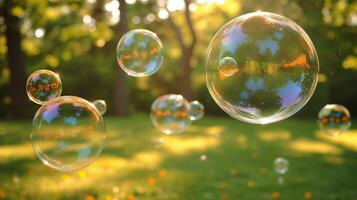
x=79, y=42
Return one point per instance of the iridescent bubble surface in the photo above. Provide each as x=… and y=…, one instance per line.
x=170, y=114
x=101, y=105
x=197, y=110
x=43, y=85
x=334, y=119
x=140, y=53
x=68, y=133
x=228, y=66
x=281, y=165
x=277, y=68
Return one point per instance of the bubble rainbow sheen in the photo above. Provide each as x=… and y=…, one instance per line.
x=261, y=68
x=68, y=133
x=140, y=53
x=334, y=119
x=43, y=85
x=170, y=114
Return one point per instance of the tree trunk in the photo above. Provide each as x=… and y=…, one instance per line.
x=186, y=51
x=186, y=75
x=120, y=90
x=16, y=63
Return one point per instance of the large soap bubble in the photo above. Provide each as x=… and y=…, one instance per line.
x=334, y=119
x=43, y=85
x=261, y=68
x=140, y=53
x=170, y=113
x=68, y=133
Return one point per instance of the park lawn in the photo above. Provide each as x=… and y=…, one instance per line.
x=139, y=163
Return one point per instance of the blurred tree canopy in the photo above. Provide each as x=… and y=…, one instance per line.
x=77, y=39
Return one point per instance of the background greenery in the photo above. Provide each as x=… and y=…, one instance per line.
x=78, y=41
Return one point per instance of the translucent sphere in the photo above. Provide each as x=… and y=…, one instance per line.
x=43, y=85
x=140, y=53
x=261, y=68
x=170, y=114
x=197, y=110
x=101, y=105
x=281, y=165
x=334, y=119
x=227, y=66
x=68, y=133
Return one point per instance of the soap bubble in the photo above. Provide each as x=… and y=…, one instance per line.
x=197, y=110
x=101, y=105
x=140, y=53
x=276, y=73
x=170, y=114
x=334, y=119
x=228, y=66
x=43, y=85
x=281, y=165
x=203, y=157
x=68, y=133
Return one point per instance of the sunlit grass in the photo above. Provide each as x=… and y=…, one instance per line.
x=138, y=162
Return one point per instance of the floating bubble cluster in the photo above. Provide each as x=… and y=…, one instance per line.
x=281, y=165
x=101, y=105
x=140, y=53
x=43, y=85
x=68, y=133
x=170, y=113
x=196, y=110
x=261, y=68
x=334, y=119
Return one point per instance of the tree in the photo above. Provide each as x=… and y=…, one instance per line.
x=186, y=50
x=120, y=90
x=16, y=62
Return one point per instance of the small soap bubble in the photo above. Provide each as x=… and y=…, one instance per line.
x=116, y=189
x=140, y=53
x=281, y=165
x=43, y=85
x=334, y=119
x=67, y=133
x=261, y=68
x=203, y=157
x=101, y=105
x=228, y=66
x=170, y=113
x=196, y=110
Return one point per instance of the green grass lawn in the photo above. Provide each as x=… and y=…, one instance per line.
x=135, y=165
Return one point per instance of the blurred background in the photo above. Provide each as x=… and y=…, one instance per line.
x=217, y=157
x=78, y=39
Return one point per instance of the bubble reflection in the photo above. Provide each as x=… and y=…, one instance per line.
x=277, y=73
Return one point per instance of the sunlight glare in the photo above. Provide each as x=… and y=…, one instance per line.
x=163, y=14
x=130, y=1
x=175, y=5
x=39, y=33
